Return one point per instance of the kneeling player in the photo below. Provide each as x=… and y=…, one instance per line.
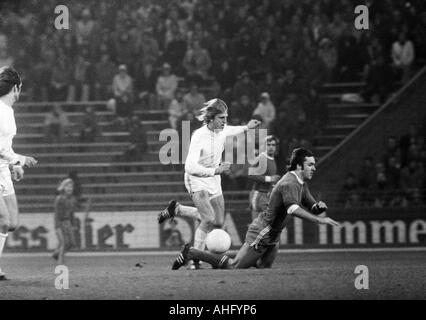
x=287, y=198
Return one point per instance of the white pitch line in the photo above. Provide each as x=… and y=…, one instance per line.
x=167, y=253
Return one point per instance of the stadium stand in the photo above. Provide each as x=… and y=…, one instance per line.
x=303, y=46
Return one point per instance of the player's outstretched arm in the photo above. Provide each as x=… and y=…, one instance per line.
x=303, y=214
x=29, y=161
x=253, y=123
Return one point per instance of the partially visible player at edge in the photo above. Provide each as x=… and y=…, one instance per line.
x=10, y=162
x=264, y=181
x=203, y=168
x=286, y=201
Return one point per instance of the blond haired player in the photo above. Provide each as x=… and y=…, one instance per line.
x=10, y=88
x=203, y=168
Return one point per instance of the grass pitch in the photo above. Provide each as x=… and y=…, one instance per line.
x=304, y=275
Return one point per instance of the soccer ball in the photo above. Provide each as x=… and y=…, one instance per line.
x=218, y=241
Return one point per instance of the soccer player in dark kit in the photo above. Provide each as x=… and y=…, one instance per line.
x=263, y=182
x=287, y=198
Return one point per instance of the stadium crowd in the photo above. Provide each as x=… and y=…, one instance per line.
x=141, y=51
x=397, y=178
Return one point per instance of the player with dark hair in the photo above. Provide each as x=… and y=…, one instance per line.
x=286, y=201
x=11, y=164
x=264, y=180
x=203, y=168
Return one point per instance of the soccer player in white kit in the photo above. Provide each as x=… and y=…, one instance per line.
x=203, y=167
x=10, y=88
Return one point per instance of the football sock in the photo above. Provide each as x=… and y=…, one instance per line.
x=186, y=211
x=217, y=261
x=200, y=239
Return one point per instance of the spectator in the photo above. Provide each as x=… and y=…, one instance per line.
x=393, y=172
x=289, y=84
x=350, y=56
x=406, y=141
x=270, y=85
x=138, y=141
x=125, y=43
x=412, y=181
x=60, y=80
x=177, y=110
x=313, y=69
x=104, y=71
x=175, y=49
x=193, y=122
x=150, y=48
x=293, y=107
x=90, y=129
x=244, y=86
x=166, y=86
x=220, y=52
x=379, y=81
x=245, y=49
x=337, y=27
x=225, y=74
x=380, y=185
x=403, y=56
x=349, y=188
x=41, y=79
x=392, y=150
x=305, y=130
x=242, y=110
x=317, y=28
x=81, y=80
x=214, y=89
x=353, y=200
x=85, y=27
x=266, y=110
x=56, y=125
x=328, y=53
x=145, y=86
x=197, y=62
x=193, y=99
x=315, y=108
x=122, y=86
x=264, y=55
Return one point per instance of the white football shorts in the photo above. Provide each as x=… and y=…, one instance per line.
x=212, y=185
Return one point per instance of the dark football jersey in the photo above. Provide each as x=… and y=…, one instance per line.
x=286, y=192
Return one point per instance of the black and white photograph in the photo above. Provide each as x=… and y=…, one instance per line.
x=212, y=154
